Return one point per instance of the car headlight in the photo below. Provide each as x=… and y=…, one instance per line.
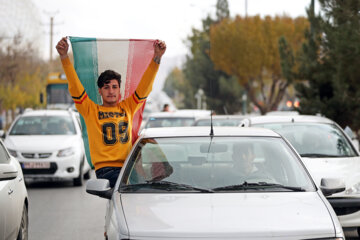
x=66, y=152
x=12, y=152
x=354, y=189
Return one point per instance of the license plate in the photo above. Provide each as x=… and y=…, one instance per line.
x=36, y=165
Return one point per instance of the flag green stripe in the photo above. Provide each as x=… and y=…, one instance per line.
x=86, y=66
x=85, y=63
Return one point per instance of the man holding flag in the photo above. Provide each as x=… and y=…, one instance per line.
x=109, y=126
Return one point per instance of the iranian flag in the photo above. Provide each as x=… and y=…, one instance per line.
x=129, y=57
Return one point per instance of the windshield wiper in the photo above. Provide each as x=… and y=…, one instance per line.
x=165, y=185
x=259, y=185
x=318, y=155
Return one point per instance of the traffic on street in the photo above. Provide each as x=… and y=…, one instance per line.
x=182, y=119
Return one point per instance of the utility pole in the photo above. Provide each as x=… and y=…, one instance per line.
x=51, y=36
x=246, y=9
x=52, y=16
x=312, y=9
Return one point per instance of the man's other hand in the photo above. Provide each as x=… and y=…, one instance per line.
x=62, y=47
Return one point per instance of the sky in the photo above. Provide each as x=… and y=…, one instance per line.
x=168, y=20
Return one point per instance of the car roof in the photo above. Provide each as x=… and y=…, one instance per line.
x=289, y=119
x=188, y=113
x=46, y=112
x=205, y=131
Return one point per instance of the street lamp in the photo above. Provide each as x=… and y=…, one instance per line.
x=199, y=95
x=244, y=103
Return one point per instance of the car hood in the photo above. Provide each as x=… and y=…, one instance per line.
x=43, y=143
x=290, y=215
x=347, y=169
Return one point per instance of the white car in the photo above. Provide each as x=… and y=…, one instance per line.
x=49, y=145
x=184, y=183
x=327, y=152
x=13, y=198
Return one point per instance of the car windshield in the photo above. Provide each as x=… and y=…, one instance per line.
x=154, y=122
x=202, y=164
x=314, y=139
x=43, y=125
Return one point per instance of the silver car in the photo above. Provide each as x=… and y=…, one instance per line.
x=327, y=152
x=13, y=198
x=237, y=183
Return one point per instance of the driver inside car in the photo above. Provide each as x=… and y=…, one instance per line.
x=244, y=166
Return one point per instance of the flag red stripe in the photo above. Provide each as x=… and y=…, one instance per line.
x=140, y=53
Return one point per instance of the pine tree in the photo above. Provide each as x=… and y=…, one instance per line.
x=330, y=63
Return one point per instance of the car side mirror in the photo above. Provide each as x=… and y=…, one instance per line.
x=99, y=187
x=330, y=186
x=8, y=172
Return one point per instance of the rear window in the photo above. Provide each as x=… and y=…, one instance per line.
x=218, y=122
x=169, y=122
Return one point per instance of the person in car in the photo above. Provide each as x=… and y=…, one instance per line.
x=166, y=108
x=109, y=126
x=244, y=166
x=243, y=157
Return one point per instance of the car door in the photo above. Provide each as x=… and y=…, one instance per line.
x=8, y=197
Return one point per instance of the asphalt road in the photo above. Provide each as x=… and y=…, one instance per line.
x=58, y=210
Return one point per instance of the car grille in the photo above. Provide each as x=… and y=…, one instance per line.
x=36, y=155
x=51, y=170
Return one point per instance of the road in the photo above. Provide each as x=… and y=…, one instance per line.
x=58, y=210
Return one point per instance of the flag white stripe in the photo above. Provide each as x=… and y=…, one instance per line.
x=113, y=55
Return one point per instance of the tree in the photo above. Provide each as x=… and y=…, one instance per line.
x=21, y=76
x=330, y=63
x=222, y=95
x=175, y=86
x=255, y=50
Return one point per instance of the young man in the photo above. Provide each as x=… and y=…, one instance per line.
x=109, y=125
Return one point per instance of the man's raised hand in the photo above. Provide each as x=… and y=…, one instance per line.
x=159, y=50
x=62, y=47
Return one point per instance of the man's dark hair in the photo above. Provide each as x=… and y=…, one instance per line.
x=106, y=76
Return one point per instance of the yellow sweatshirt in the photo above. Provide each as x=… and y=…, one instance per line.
x=109, y=128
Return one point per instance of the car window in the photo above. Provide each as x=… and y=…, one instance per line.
x=314, y=139
x=43, y=125
x=218, y=122
x=223, y=161
x=4, y=156
x=169, y=122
